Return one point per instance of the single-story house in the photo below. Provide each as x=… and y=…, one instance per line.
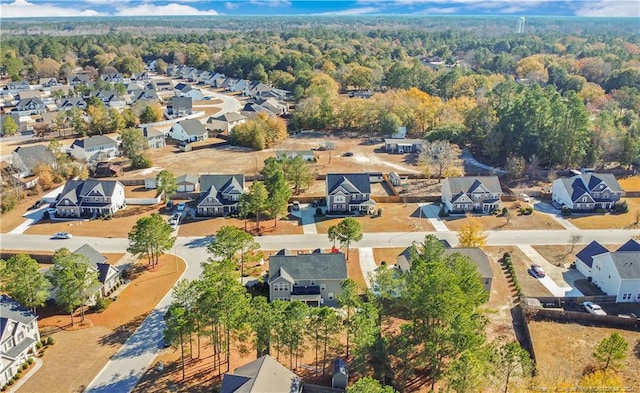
x=187, y=183
x=403, y=145
x=307, y=155
x=310, y=278
x=189, y=130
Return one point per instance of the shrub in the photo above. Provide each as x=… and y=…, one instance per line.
x=319, y=211
x=526, y=211
x=39, y=345
x=505, y=211
x=18, y=375
x=379, y=212
x=50, y=340
x=8, y=203
x=495, y=212
x=11, y=382
x=24, y=365
x=30, y=361
x=621, y=207
x=101, y=304
x=443, y=213
x=601, y=210
x=566, y=211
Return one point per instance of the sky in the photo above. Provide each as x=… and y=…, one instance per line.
x=565, y=8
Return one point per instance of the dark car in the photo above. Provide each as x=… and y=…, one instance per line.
x=169, y=205
x=347, y=154
x=36, y=205
x=538, y=271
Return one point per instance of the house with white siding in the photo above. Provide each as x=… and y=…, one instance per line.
x=19, y=336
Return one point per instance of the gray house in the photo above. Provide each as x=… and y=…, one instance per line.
x=263, y=375
x=108, y=275
x=471, y=193
x=219, y=194
x=475, y=255
x=180, y=106
x=187, y=183
x=30, y=106
x=25, y=159
x=402, y=145
x=349, y=192
x=19, y=336
x=587, y=191
x=311, y=278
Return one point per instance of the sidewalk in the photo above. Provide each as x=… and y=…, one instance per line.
x=553, y=213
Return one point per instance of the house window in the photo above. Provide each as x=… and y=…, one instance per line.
x=281, y=286
x=323, y=287
x=330, y=296
x=584, y=199
x=339, y=199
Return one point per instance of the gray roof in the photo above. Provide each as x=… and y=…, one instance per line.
x=181, y=103
x=404, y=141
x=467, y=184
x=263, y=375
x=151, y=132
x=475, y=255
x=327, y=266
x=350, y=182
x=187, y=178
x=14, y=311
x=586, y=254
x=34, y=155
x=586, y=183
x=75, y=190
x=218, y=181
x=627, y=264
x=229, y=117
x=193, y=127
x=96, y=261
x=93, y=141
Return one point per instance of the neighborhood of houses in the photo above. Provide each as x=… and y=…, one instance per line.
x=313, y=278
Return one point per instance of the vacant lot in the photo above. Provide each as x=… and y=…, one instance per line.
x=118, y=226
x=536, y=220
x=81, y=352
x=564, y=351
x=396, y=217
x=627, y=220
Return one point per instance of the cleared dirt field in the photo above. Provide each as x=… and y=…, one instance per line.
x=628, y=220
x=536, y=220
x=80, y=352
x=118, y=226
x=396, y=217
x=564, y=352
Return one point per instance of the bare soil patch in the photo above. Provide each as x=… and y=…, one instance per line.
x=609, y=220
x=80, y=353
x=564, y=351
x=208, y=227
x=536, y=220
x=396, y=217
x=353, y=268
x=118, y=226
x=139, y=192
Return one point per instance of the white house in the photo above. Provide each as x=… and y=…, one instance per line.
x=618, y=274
x=19, y=336
x=307, y=155
x=189, y=130
x=98, y=147
x=587, y=191
x=226, y=122
x=87, y=198
x=584, y=258
x=108, y=275
x=185, y=90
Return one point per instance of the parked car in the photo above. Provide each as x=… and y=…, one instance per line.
x=296, y=205
x=593, y=308
x=181, y=206
x=36, y=205
x=347, y=154
x=525, y=198
x=538, y=270
x=169, y=205
x=175, y=219
x=62, y=235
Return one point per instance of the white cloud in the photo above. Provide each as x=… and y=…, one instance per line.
x=437, y=11
x=270, y=3
x=24, y=9
x=149, y=9
x=609, y=8
x=99, y=2
x=353, y=11
x=231, y=5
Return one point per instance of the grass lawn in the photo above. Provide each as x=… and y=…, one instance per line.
x=11, y=219
x=82, y=351
x=387, y=255
x=562, y=254
x=536, y=220
x=564, y=351
x=118, y=226
x=208, y=227
x=609, y=220
x=631, y=183
x=396, y=217
x=529, y=284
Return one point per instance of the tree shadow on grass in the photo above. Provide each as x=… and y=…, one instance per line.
x=121, y=334
x=636, y=349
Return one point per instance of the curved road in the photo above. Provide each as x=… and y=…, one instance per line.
x=127, y=366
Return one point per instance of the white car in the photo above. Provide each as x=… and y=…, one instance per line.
x=62, y=235
x=593, y=308
x=525, y=198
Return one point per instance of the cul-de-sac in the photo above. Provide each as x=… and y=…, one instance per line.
x=319, y=197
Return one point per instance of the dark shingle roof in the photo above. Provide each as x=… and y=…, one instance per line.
x=587, y=253
x=468, y=184
x=351, y=182
x=630, y=245
x=93, y=141
x=328, y=266
x=12, y=310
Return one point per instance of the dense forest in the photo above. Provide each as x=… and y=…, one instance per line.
x=564, y=94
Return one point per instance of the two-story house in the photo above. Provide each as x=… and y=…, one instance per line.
x=185, y=90
x=66, y=104
x=161, y=84
x=108, y=275
x=30, y=106
x=87, y=198
x=19, y=336
x=478, y=194
x=110, y=98
x=48, y=82
x=25, y=159
x=189, y=130
x=114, y=77
x=225, y=123
x=79, y=79
x=180, y=106
x=97, y=147
x=219, y=194
x=263, y=375
x=349, y=192
x=588, y=191
x=155, y=138
x=618, y=273
x=311, y=278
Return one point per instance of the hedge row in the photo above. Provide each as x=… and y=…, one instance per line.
x=508, y=263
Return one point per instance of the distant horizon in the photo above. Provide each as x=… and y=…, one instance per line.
x=26, y=9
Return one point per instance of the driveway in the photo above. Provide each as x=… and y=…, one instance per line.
x=467, y=157
x=553, y=213
x=554, y=275
x=431, y=211
x=228, y=104
x=306, y=214
x=367, y=264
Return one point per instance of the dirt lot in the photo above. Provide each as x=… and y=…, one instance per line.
x=536, y=220
x=81, y=352
x=609, y=220
x=396, y=217
x=563, y=351
x=118, y=226
x=529, y=284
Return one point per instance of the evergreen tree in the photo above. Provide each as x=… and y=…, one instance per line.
x=21, y=278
